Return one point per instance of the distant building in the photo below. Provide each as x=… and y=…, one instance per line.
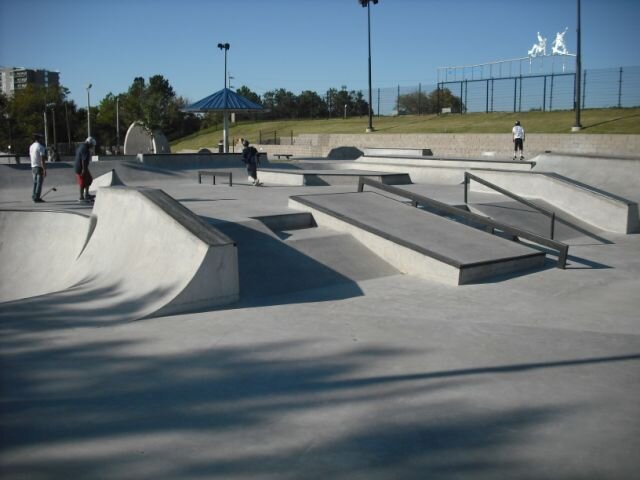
x=17, y=78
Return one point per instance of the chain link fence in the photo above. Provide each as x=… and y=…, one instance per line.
x=601, y=88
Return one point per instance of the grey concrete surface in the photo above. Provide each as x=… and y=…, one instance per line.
x=331, y=365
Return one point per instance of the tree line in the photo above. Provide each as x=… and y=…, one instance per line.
x=155, y=103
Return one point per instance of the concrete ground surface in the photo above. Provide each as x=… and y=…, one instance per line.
x=332, y=364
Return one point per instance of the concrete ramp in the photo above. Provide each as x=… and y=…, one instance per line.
x=596, y=207
x=617, y=175
x=145, y=255
x=447, y=171
x=109, y=179
x=417, y=242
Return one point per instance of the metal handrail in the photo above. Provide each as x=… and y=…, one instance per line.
x=562, y=248
x=470, y=176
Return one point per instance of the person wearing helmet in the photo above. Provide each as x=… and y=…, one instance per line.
x=250, y=158
x=518, y=140
x=81, y=166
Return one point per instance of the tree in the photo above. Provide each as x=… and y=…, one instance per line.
x=443, y=98
x=415, y=103
x=310, y=105
x=281, y=102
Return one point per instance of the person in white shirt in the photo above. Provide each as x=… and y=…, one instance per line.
x=38, y=156
x=518, y=140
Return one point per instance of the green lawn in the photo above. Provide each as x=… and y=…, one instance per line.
x=619, y=121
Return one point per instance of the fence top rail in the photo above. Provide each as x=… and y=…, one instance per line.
x=562, y=248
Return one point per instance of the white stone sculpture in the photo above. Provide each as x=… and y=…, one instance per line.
x=539, y=48
x=558, y=46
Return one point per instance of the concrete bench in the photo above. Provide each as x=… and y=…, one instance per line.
x=213, y=173
x=285, y=155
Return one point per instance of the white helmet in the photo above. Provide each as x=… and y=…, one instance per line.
x=91, y=141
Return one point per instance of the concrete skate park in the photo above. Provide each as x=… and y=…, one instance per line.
x=399, y=314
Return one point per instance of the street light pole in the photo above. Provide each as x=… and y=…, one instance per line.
x=367, y=3
x=578, y=89
x=118, y=124
x=88, y=111
x=225, y=124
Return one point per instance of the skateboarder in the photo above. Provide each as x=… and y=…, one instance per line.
x=250, y=158
x=81, y=165
x=38, y=156
x=518, y=140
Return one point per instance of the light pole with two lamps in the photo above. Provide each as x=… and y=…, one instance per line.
x=225, y=136
x=367, y=3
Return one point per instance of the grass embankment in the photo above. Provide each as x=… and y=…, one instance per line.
x=610, y=120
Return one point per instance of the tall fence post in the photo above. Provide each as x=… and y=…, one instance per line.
x=520, y=96
x=551, y=95
x=461, y=112
x=584, y=88
x=420, y=99
x=620, y=89
x=486, y=109
x=515, y=93
x=466, y=95
x=544, y=94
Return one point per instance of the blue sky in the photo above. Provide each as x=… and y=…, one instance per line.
x=295, y=44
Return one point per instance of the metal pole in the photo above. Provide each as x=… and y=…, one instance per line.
x=577, y=126
x=55, y=137
x=88, y=111
x=620, y=90
x=370, y=128
x=46, y=134
x=66, y=114
x=118, y=123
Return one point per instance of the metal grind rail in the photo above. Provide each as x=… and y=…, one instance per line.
x=470, y=176
x=492, y=225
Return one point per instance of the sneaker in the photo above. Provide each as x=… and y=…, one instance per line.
x=521, y=157
x=514, y=157
x=38, y=200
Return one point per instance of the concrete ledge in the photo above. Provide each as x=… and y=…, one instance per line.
x=299, y=177
x=417, y=242
x=589, y=204
x=397, y=152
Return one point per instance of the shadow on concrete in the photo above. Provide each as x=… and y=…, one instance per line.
x=271, y=271
x=104, y=409
x=80, y=306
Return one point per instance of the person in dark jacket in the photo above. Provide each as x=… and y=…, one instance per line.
x=81, y=166
x=250, y=158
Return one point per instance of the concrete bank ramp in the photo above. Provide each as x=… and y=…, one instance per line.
x=448, y=171
x=617, y=175
x=418, y=242
x=109, y=179
x=596, y=207
x=145, y=255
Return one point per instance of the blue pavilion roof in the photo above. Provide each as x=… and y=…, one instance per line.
x=224, y=99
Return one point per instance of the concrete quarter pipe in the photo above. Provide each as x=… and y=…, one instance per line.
x=140, y=254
